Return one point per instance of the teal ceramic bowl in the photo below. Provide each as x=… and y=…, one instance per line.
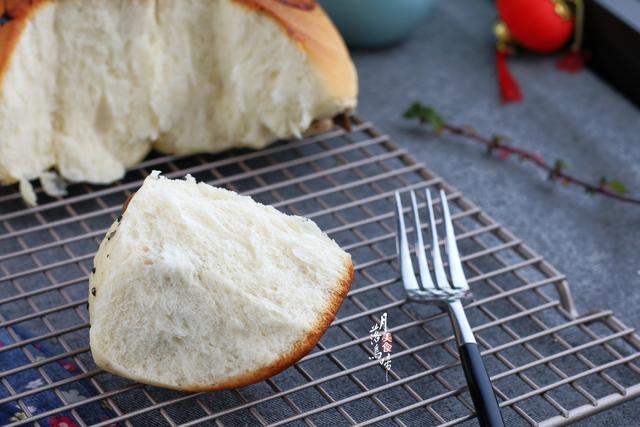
x=375, y=23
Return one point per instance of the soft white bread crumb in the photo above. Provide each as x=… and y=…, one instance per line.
x=199, y=288
x=91, y=86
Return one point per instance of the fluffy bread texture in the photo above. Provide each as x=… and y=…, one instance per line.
x=89, y=87
x=198, y=288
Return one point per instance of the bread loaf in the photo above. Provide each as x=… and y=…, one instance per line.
x=199, y=288
x=89, y=87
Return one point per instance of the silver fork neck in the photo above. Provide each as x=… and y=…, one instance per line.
x=461, y=327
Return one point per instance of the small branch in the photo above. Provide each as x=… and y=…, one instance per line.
x=497, y=145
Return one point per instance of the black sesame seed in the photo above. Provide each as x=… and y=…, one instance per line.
x=93, y=291
x=93, y=270
x=119, y=218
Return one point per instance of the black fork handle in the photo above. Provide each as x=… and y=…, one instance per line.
x=480, y=388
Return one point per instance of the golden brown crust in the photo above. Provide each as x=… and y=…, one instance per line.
x=307, y=24
x=300, y=4
x=300, y=348
x=304, y=21
x=125, y=205
x=318, y=127
x=17, y=12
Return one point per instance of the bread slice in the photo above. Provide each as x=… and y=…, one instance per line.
x=198, y=288
x=89, y=87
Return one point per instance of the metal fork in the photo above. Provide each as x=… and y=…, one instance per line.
x=448, y=294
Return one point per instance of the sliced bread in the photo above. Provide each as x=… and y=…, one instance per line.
x=199, y=288
x=89, y=87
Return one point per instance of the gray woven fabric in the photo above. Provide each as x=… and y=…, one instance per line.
x=449, y=63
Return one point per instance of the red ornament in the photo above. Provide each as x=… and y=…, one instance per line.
x=509, y=88
x=539, y=25
x=573, y=62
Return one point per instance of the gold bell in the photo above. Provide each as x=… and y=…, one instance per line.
x=563, y=10
x=503, y=35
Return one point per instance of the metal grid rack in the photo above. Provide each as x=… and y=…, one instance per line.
x=549, y=365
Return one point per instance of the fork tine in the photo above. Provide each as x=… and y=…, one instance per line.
x=404, y=256
x=425, y=276
x=441, y=276
x=455, y=265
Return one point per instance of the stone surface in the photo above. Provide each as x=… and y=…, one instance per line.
x=449, y=63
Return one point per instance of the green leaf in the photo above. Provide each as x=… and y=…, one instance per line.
x=560, y=164
x=414, y=111
x=425, y=114
x=617, y=186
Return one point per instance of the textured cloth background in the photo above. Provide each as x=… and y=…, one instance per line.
x=449, y=63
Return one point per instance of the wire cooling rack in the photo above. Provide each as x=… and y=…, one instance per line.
x=549, y=365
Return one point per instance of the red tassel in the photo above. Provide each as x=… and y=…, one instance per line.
x=509, y=88
x=573, y=62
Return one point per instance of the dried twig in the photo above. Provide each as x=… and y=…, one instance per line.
x=497, y=145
